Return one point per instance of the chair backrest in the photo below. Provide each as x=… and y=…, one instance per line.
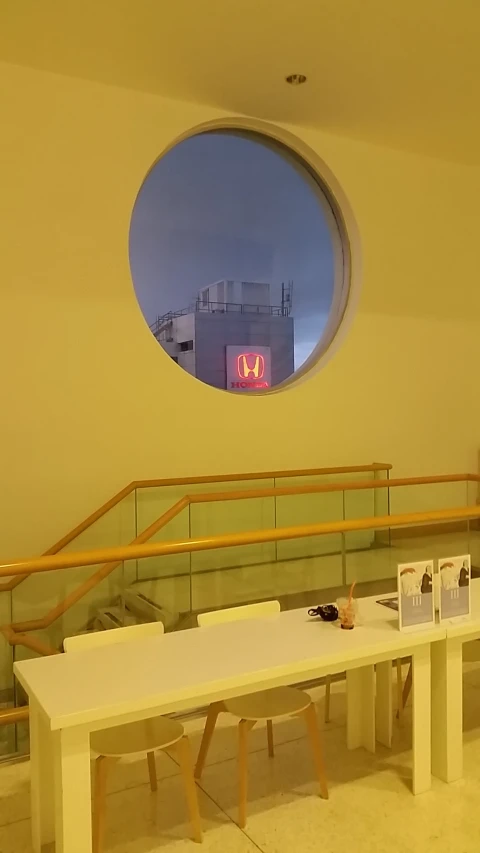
x=232, y=614
x=115, y=635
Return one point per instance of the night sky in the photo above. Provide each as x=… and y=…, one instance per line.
x=221, y=206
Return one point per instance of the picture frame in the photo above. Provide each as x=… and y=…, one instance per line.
x=416, y=609
x=455, y=577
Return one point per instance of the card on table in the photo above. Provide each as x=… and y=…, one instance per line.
x=415, y=595
x=455, y=577
x=391, y=603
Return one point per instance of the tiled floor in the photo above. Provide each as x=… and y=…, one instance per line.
x=370, y=807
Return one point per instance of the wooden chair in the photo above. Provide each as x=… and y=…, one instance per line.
x=266, y=705
x=142, y=737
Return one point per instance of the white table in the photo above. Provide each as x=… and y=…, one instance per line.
x=447, y=693
x=72, y=695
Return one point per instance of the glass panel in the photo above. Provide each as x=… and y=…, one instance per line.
x=38, y=594
x=435, y=539
x=8, y=734
x=153, y=502
x=431, y=496
x=116, y=527
x=473, y=493
x=22, y=743
x=163, y=598
x=319, y=571
x=162, y=585
x=369, y=558
x=367, y=551
x=474, y=547
x=473, y=499
x=100, y=608
x=360, y=503
x=381, y=502
x=294, y=582
x=411, y=544
x=365, y=503
x=176, y=529
x=423, y=542
x=237, y=516
x=283, y=570
x=314, y=508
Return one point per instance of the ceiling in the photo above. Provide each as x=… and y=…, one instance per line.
x=401, y=73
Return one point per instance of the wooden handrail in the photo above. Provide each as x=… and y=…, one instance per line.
x=80, y=528
x=349, y=486
x=36, y=645
x=241, y=495
x=33, y=643
x=113, y=557
x=109, y=565
x=12, y=583
x=14, y=715
x=266, y=475
x=103, y=572
x=205, y=543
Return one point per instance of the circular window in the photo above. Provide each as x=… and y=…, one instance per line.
x=238, y=260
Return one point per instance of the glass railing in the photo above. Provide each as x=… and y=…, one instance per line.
x=323, y=561
x=176, y=598
x=153, y=500
x=126, y=521
x=415, y=497
x=177, y=576
x=174, y=579
x=8, y=699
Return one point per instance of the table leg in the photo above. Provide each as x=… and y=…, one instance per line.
x=421, y=724
x=447, y=711
x=73, y=810
x=361, y=708
x=384, y=703
x=41, y=779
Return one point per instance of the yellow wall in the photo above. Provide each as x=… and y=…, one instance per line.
x=89, y=399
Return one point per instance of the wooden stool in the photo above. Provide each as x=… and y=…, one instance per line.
x=142, y=737
x=267, y=705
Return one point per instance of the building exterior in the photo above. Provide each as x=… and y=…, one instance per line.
x=231, y=337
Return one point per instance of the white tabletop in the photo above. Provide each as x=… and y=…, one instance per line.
x=200, y=665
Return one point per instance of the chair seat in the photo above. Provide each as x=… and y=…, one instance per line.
x=269, y=704
x=142, y=736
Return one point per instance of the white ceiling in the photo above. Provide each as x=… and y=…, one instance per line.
x=401, y=73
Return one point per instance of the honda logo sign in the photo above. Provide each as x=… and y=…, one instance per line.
x=248, y=369
x=250, y=365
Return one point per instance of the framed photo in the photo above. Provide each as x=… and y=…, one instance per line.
x=455, y=585
x=415, y=595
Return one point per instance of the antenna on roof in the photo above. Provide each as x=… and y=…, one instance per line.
x=287, y=297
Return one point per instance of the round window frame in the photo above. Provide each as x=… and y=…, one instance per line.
x=344, y=234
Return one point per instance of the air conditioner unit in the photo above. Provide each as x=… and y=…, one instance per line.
x=147, y=610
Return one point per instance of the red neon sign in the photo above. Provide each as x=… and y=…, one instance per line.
x=246, y=384
x=248, y=369
x=250, y=365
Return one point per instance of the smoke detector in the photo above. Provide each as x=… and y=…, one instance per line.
x=296, y=79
